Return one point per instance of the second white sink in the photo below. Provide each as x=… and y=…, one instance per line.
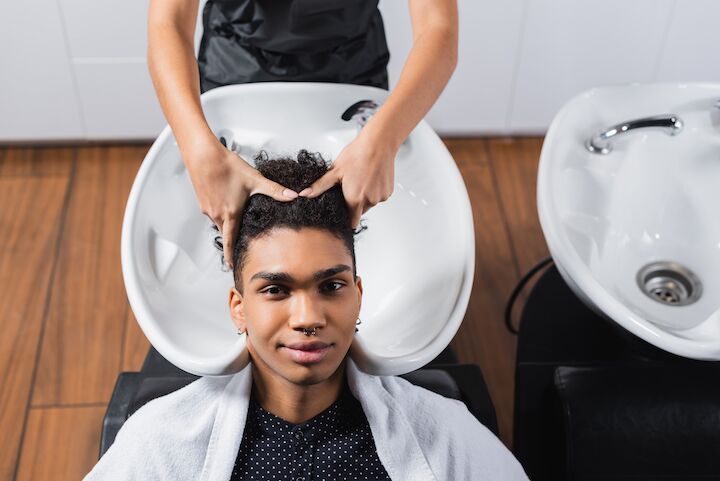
x=636, y=232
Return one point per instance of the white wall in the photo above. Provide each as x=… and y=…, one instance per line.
x=521, y=60
x=74, y=69
x=38, y=97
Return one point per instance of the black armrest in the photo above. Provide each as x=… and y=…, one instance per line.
x=122, y=397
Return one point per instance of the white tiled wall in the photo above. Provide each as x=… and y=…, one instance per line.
x=107, y=44
x=105, y=28
x=37, y=92
x=74, y=69
x=568, y=48
x=478, y=95
x=116, y=99
x=692, y=44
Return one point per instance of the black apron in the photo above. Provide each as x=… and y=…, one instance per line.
x=292, y=40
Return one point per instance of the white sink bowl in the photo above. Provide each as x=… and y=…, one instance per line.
x=416, y=258
x=654, y=198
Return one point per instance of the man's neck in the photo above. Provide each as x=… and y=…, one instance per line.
x=292, y=402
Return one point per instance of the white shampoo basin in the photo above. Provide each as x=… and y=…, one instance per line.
x=635, y=232
x=416, y=258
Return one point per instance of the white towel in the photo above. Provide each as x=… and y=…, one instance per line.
x=195, y=433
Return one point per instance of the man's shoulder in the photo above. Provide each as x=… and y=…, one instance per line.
x=412, y=395
x=190, y=408
x=166, y=436
x=196, y=395
x=443, y=425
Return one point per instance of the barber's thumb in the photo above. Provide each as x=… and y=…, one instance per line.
x=355, y=214
x=229, y=233
x=277, y=191
x=321, y=185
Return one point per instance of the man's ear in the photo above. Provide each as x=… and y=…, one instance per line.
x=358, y=283
x=237, y=309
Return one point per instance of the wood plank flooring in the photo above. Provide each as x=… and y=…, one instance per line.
x=68, y=330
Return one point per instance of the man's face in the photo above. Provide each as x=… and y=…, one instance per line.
x=294, y=280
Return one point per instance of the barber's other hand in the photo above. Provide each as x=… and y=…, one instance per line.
x=223, y=182
x=366, y=170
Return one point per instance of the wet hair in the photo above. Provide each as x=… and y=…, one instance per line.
x=328, y=211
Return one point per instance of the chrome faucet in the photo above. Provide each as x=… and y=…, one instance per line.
x=360, y=111
x=600, y=143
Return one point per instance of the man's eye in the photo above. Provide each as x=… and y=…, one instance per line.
x=333, y=286
x=273, y=290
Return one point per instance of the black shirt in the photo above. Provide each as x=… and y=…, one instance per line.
x=335, y=444
x=292, y=40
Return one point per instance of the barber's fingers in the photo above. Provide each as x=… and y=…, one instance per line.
x=217, y=223
x=329, y=179
x=229, y=231
x=274, y=190
x=356, y=211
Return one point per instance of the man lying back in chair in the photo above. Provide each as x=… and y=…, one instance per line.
x=301, y=409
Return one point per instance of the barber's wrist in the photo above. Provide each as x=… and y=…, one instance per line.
x=205, y=160
x=198, y=145
x=381, y=138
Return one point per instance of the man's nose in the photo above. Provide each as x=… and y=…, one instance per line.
x=307, y=313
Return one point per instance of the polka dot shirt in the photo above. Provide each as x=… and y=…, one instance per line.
x=335, y=444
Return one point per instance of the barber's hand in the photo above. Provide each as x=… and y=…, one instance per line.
x=366, y=169
x=223, y=182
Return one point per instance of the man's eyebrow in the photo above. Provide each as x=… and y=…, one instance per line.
x=287, y=278
x=325, y=273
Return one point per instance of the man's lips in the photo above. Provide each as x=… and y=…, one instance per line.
x=307, y=345
x=307, y=352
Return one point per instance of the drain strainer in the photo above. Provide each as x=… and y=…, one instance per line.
x=669, y=283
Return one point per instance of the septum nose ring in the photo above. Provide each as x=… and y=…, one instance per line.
x=313, y=331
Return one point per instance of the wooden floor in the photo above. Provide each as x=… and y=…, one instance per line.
x=67, y=329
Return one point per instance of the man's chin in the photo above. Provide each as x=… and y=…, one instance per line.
x=308, y=375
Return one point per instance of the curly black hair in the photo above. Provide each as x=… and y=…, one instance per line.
x=262, y=213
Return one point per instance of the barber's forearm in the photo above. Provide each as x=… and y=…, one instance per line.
x=427, y=71
x=174, y=71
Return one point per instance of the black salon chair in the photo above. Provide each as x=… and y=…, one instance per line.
x=593, y=402
x=158, y=377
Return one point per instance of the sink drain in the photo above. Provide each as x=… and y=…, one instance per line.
x=669, y=283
